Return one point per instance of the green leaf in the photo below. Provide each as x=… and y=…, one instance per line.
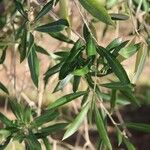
x=32, y=142
x=128, y=144
x=74, y=52
x=76, y=83
x=138, y=126
x=5, y=120
x=33, y=63
x=113, y=99
x=81, y=72
x=114, y=64
x=116, y=42
x=66, y=99
x=140, y=61
x=119, y=16
x=91, y=48
x=90, y=43
x=19, y=32
x=30, y=43
x=44, y=132
x=51, y=71
x=23, y=45
x=27, y=114
x=3, y=88
x=44, y=118
x=74, y=126
x=56, y=26
x=60, y=36
x=45, y=10
x=17, y=109
x=19, y=7
x=130, y=50
x=101, y=129
x=70, y=62
x=97, y=10
x=47, y=144
x=130, y=96
x=119, y=136
x=61, y=84
x=4, y=145
x=3, y=56
x=118, y=86
x=41, y=50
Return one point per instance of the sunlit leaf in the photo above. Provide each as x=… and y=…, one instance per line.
x=65, y=99
x=97, y=10
x=74, y=126
x=61, y=84
x=101, y=129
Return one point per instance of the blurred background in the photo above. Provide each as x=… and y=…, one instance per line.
x=16, y=75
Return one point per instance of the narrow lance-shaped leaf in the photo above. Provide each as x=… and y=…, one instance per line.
x=113, y=99
x=3, y=56
x=130, y=96
x=120, y=17
x=56, y=26
x=61, y=84
x=41, y=50
x=70, y=62
x=17, y=109
x=66, y=99
x=44, y=132
x=81, y=72
x=5, y=120
x=90, y=43
x=44, y=118
x=3, y=88
x=73, y=127
x=114, y=64
x=23, y=45
x=64, y=9
x=118, y=86
x=128, y=144
x=97, y=10
x=76, y=83
x=19, y=7
x=30, y=42
x=138, y=126
x=140, y=61
x=47, y=144
x=119, y=136
x=116, y=42
x=33, y=63
x=45, y=9
x=130, y=50
x=91, y=48
x=60, y=36
x=32, y=142
x=101, y=129
x=51, y=71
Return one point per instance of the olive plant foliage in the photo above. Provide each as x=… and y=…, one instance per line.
x=85, y=61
